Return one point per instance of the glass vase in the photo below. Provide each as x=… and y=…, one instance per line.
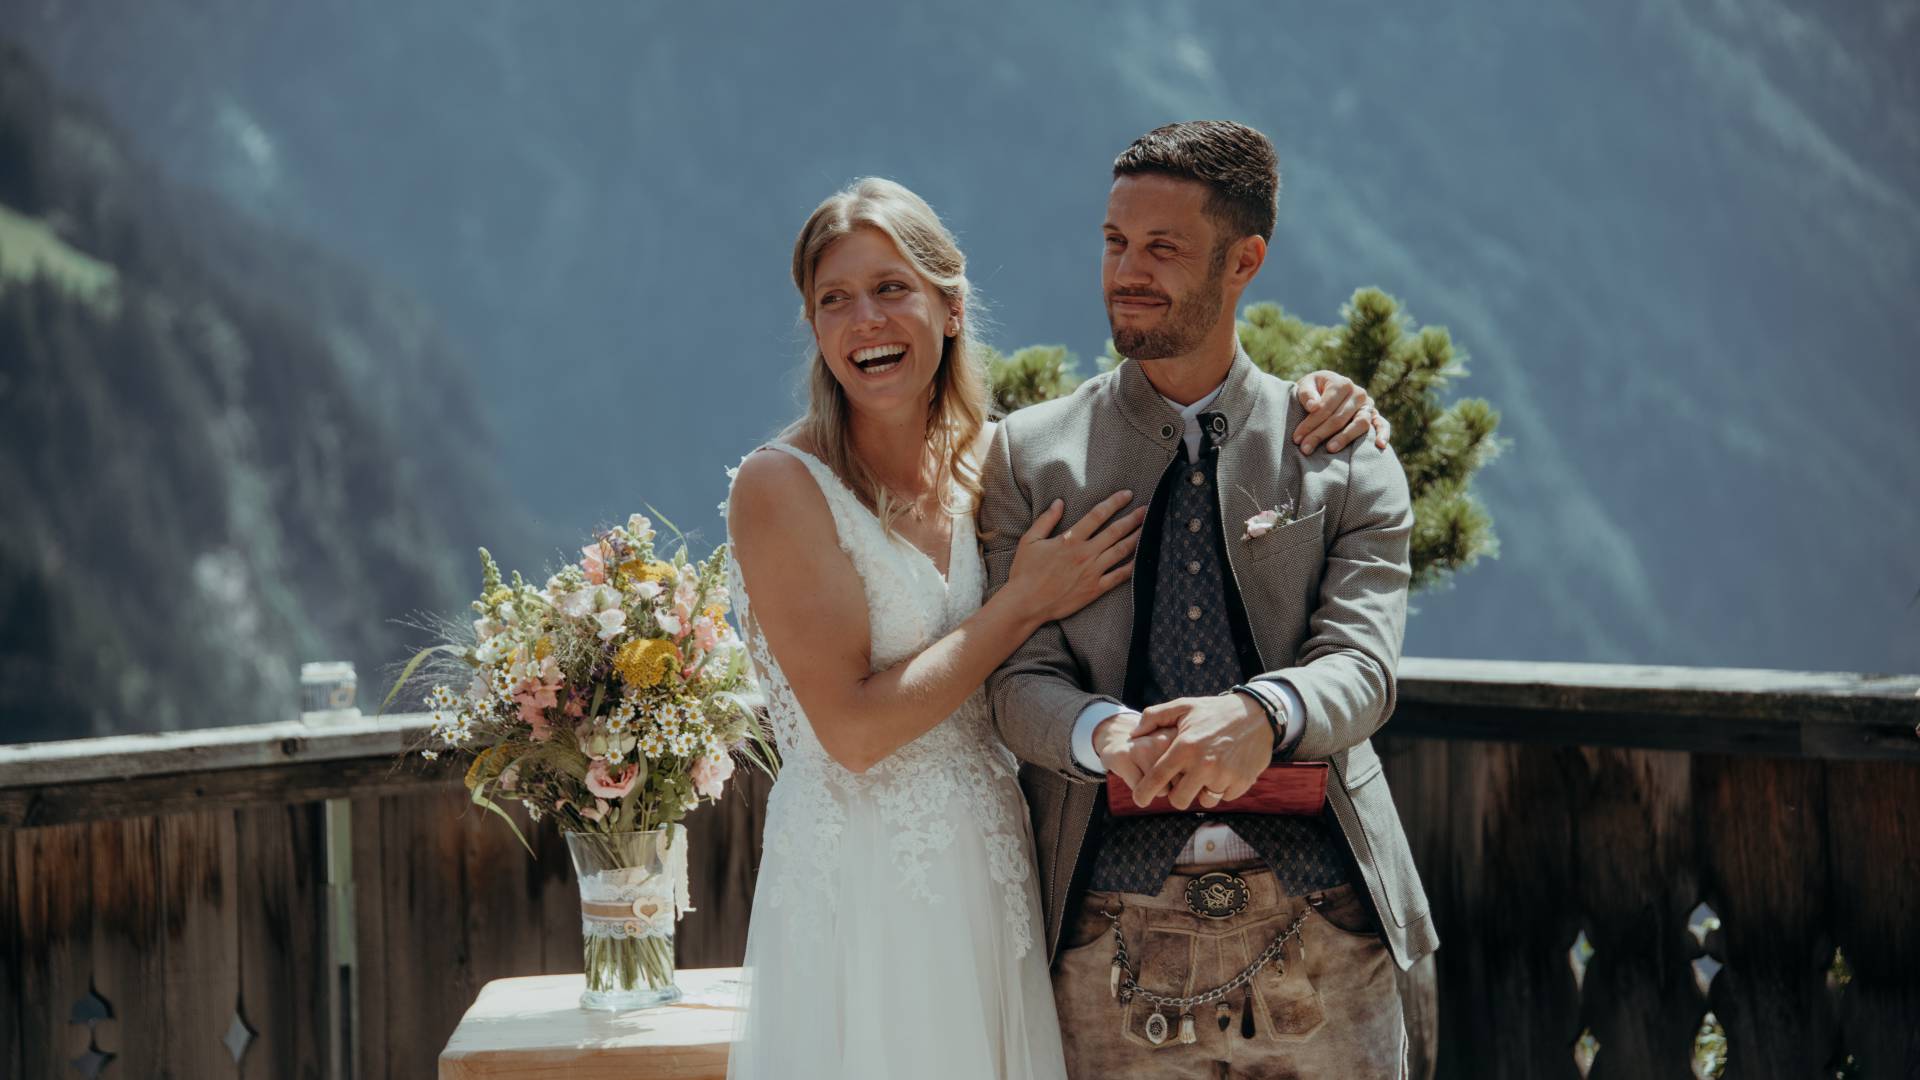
x=633, y=886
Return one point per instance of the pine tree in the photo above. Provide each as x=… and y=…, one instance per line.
x=1035, y=373
x=1406, y=369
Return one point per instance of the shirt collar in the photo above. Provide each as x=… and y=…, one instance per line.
x=1190, y=416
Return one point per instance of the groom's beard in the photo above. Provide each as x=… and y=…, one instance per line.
x=1187, y=322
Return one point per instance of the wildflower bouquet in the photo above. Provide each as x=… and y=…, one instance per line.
x=612, y=699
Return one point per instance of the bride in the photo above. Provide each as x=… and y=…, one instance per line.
x=894, y=923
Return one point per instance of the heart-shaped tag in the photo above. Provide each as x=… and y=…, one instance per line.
x=645, y=908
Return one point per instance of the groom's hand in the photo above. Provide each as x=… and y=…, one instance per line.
x=1221, y=745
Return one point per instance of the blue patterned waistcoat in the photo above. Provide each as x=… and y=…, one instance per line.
x=1191, y=621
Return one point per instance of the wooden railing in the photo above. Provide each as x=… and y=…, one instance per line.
x=1730, y=829
x=287, y=900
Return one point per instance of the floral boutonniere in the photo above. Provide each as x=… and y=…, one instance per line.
x=1266, y=521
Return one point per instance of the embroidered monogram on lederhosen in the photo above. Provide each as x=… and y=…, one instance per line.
x=1191, y=652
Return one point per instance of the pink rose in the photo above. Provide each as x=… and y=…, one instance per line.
x=1266, y=521
x=611, y=784
x=710, y=775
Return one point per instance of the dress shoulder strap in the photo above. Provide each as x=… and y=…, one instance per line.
x=851, y=518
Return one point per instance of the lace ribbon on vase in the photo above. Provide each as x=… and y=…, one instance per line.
x=635, y=902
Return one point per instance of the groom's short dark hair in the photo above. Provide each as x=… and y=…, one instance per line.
x=1236, y=163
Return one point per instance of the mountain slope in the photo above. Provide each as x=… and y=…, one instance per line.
x=1678, y=243
x=223, y=452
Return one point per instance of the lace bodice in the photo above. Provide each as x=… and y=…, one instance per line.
x=955, y=775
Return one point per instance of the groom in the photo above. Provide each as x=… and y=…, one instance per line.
x=1262, y=627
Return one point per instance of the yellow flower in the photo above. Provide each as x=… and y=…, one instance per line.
x=481, y=771
x=542, y=649
x=497, y=597
x=659, y=571
x=645, y=664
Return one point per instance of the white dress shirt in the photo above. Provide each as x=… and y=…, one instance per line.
x=1212, y=842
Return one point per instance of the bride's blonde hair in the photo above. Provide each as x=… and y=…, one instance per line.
x=957, y=407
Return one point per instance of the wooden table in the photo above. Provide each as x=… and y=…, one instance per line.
x=535, y=1029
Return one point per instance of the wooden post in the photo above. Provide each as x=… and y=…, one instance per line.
x=1763, y=847
x=1417, y=775
x=126, y=961
x=199, y=984
x=1873, y=871
x=1632, y=877
x=55, y=914
x=281, y=904
x=11, y=947
x=343, y=1004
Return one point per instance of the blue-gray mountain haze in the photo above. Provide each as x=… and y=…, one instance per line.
x=1679, y=242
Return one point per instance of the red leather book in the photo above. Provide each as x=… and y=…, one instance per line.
x=1296, y=787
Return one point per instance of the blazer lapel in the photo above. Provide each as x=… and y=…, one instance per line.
x=1258, y=466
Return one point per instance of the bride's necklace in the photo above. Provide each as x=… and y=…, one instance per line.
x=914, y=509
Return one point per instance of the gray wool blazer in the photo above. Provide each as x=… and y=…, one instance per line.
x=1326, y=598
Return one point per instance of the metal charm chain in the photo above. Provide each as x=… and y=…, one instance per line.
x=1129, y=984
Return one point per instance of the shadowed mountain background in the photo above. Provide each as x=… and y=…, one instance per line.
x=521, y=268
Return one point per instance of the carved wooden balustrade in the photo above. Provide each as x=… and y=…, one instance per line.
x=1636, y=872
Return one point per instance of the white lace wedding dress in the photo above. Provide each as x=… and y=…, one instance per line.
x=895, y=924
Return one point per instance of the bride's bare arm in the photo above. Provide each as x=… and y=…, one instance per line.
x=809, y=604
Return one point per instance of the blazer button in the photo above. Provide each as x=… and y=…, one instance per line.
x=1166, y=431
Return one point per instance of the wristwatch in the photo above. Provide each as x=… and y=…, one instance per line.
x=1273, y=714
